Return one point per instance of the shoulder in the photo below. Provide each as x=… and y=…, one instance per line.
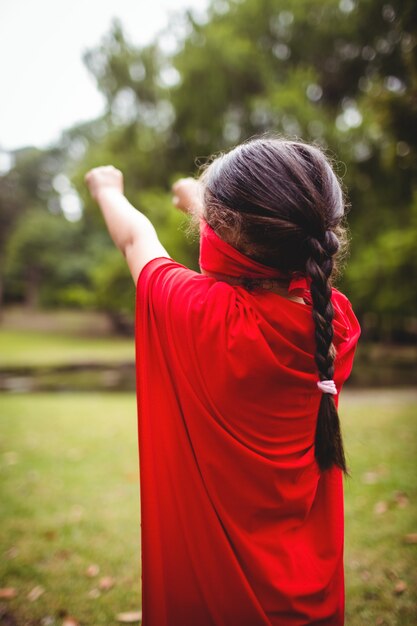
x=165, y=274
x=163, y=269
x=345, y=317
x=170, y=287
x=339, y=297
x=341, y=301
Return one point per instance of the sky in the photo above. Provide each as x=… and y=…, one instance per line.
x=44, y=85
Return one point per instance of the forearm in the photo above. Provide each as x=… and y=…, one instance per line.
x=130, y=230
x=124, y=223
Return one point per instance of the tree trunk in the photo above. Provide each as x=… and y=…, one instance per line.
x=122, y=324
x=1, y=297
x=32, y=288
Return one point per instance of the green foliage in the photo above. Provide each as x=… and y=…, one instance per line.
x=38, y=241
x=342, y=74
x=26, y=185
x=390, y=265
x=112, y=284
x=344, y=80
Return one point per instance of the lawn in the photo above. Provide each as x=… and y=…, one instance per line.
x=30, y=348
x=58, y=338
x=70, y=500
x=70, y=507
x=381, y=507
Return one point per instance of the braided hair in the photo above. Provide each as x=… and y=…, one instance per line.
x=280, y=203
x=319, y=267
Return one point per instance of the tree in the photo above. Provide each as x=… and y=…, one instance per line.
x=341, y=73
x=42, y=257
x=27, y=184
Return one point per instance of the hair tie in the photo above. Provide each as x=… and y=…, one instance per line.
x=327, y=386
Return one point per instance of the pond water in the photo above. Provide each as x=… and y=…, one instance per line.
x=375, y=366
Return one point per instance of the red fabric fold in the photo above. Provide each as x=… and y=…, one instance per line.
x=220, y=258
x=239, y=527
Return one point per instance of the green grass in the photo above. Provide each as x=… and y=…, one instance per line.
x=53, y=338
x=30, y=348
x=69, y=321
x=381, y=437
x=70, y=499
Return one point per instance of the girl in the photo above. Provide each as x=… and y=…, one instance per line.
x=239, y=371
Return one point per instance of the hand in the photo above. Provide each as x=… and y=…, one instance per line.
x=188, y=195
x=103, y=178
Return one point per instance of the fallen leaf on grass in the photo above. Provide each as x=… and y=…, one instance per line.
x=132, y=477
x=380, y=508
x=400, y=587
x=370, y=478
x=410, y=538
x=129, y=617
x=92, y=570
x=70, y=621
x=401, y=499
x=7, y=593
x=11, y=458
x=50, y=535
x=35, y=593
x=94, y=594
x=11, y=553
x=392, y=574
x=63, y=554
x=106, y=583
x=76, y=513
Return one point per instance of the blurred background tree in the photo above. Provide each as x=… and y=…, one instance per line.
x=339, y=73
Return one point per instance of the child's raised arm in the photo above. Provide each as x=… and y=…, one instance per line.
x=131, y=231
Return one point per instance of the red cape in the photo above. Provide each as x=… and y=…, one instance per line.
x=239, y=526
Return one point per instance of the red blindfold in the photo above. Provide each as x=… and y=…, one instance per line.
x=220, y=258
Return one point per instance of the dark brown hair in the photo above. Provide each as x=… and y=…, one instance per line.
x=281, y=203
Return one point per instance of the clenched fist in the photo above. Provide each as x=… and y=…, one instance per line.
x=103, y=178
x=188, y=195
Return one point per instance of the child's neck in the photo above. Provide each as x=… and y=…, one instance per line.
x=280, y=287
